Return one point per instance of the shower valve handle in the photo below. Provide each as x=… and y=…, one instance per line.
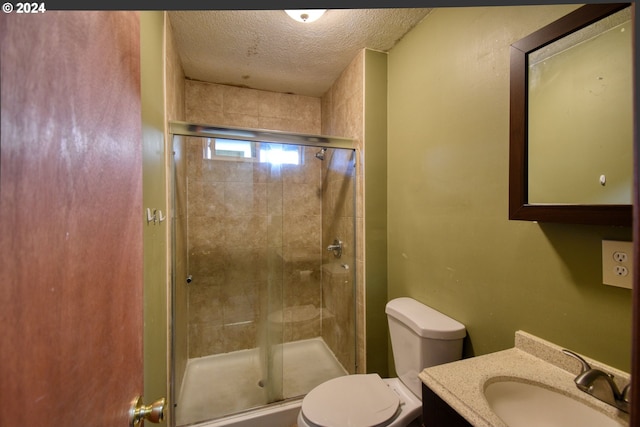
x=336, y=248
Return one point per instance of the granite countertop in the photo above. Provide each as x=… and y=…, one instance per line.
x=461, y=384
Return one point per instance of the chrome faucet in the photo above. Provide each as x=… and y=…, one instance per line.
x=607, y=391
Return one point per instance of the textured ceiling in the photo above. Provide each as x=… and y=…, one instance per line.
x=267, y=50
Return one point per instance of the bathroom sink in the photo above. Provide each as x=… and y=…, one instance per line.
x=521, y=404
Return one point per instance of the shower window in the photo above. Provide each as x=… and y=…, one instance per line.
x=277, y=154
x=216, y=147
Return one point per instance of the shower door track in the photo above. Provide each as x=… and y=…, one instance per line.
x=259, y=135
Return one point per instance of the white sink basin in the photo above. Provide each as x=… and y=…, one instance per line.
x=521, y=404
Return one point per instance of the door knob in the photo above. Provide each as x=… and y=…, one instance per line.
x=140, y=412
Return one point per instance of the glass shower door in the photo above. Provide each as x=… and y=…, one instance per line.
x=269, y=312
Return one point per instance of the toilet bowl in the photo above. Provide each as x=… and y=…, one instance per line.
x=420, y=337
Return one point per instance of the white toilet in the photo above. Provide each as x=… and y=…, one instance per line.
x=420, y=337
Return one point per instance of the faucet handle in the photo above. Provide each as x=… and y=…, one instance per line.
x=585, y=365
x=625, y=394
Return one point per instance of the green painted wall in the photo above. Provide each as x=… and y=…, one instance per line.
x=375, y=190
x=154, y=196
x=450, y=244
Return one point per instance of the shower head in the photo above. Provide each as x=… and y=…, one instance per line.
x=320, y=154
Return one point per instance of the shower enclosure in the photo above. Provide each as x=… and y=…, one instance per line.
x=263, y=241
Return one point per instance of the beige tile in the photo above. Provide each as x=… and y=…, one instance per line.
x=245, y=231
x=275, y=105
x=245, y=198
x=205, y=339
x=204, y=303
x=240, y=336
x=240, y=307
x=301, y=234
x=241, y=120
x=245, y=266
x=302, y=283
x=212, y=170
x=274, y=231
x=262, y=172
x=307, y=173
x=301, y=200
x=240, y=101
x=203, y=102
x=206, y=232
x=208, y=265
x=274, y=198
x=206, y=198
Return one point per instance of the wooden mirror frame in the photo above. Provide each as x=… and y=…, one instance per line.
x=519, y=207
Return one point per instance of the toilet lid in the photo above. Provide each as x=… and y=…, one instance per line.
x=360, y=400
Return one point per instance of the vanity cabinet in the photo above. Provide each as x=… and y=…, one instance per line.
x=437, y=413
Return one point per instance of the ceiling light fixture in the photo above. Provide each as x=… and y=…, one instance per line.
x=306, y=15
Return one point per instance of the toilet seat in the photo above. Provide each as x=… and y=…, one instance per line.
x=359, y=400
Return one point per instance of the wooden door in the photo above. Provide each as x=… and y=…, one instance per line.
x=70, y=219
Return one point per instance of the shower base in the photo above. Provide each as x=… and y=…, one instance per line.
x=224, y=384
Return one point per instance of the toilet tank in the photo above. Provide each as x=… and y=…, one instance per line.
x=421, y=337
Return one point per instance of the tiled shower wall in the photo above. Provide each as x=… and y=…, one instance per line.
x=343, y=114
x=239, y=107
x=338, y=213
x=256, y=216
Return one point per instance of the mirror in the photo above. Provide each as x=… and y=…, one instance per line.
x=571, y=119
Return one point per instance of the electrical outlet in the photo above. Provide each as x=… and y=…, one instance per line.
x=619, y=256
x=620, y=270
x=616, y=263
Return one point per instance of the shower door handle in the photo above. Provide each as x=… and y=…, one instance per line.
x=139, y=412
